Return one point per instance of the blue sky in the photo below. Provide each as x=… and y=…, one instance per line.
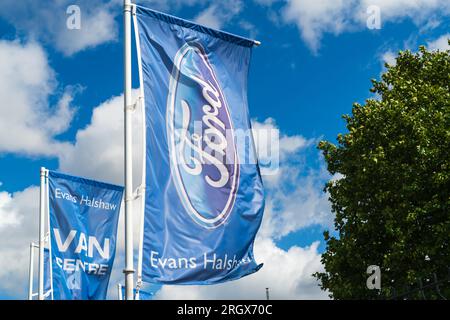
x=60, y=109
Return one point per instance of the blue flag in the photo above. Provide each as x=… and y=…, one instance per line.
x=143, y=294
x=83, y=228
x=204, y=195
x=47, y=275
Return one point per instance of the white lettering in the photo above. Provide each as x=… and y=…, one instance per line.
x=62, y=247
x=82, y=244
x=59, y=194
x=85, y=244
x=69, y=265
x=104, y=252
x=171, y=263
x=218, y=145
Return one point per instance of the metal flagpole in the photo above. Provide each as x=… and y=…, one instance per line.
x=129, y=269
x=119, y=291
x=143, y=154
x=31, y=272
x=41, y=234
x=49, y=241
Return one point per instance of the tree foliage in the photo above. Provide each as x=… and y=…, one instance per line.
x=392, y=199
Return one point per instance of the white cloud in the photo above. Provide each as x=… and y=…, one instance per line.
x=286, y=145
x=389, y=57
x=287, y=274
x=209, y=18
x=419, y=11
x=16, y=235
x=273, y=147
x=27, y=123
x=252, y=31
x=48, y=22
x=314, y=18
x=8, y=215
x=98, y=27
x=219, y=14
x=166, y=5
x=98, y=148
x=295, y=201
x=440, y=43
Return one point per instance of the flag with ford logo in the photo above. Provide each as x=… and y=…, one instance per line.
x=83, y=229
x=204, y=196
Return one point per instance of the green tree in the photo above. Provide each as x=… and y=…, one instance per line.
x=392, y=199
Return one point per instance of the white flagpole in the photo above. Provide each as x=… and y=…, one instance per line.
x=31, y=272
x=119, y=292
x=129, y=269
x=49, y=240
x=41, y=234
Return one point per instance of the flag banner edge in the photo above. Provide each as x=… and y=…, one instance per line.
x=220, y=34
x=85, y=180
x=207, y=282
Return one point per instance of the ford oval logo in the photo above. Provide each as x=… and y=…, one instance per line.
x=204, y=159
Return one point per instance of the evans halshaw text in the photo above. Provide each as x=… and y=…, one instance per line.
x=85, y=200
x=208, y=262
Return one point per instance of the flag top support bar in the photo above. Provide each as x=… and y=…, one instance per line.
x=129, y=269
x=216, y=33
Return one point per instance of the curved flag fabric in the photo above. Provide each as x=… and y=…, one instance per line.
x=143, y=294
x=83, y=227
x=204, y=196
x=47, y=275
